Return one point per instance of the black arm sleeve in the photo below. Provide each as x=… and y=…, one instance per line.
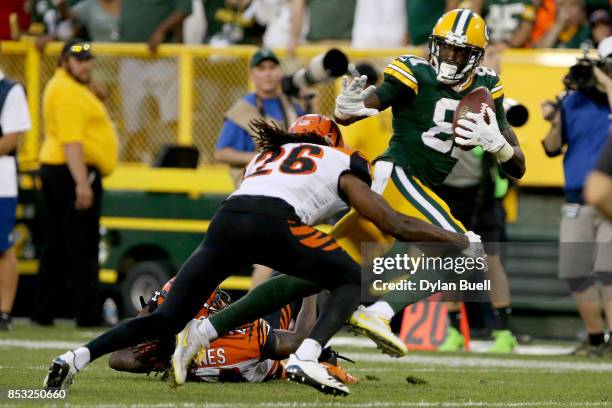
x=360, y=167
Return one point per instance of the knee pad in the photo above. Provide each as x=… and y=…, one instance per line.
x=578, y=285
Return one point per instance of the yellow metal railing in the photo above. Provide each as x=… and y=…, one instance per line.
x=183, y=98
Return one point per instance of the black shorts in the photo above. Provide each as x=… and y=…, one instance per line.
x=266, y=231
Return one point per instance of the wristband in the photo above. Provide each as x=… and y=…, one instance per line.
x=505, y=153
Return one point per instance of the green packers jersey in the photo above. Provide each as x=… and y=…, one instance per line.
x=503, y=17
x=423, y=108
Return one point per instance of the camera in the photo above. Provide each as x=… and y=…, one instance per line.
x=332, y=63
x=581, y=75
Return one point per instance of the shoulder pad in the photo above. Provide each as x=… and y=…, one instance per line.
x=404, y=69
x=492, y=81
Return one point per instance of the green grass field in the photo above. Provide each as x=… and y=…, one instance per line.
x=449, y=380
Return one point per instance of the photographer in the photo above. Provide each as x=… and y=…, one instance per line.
x=274, y=100
x=235, y=145
x=579, y=127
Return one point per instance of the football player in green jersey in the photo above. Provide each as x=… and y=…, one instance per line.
x=423, y=95
x=511, y=21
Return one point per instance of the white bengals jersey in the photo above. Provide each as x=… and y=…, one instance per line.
x=305, y=176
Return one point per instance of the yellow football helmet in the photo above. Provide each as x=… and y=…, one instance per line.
x=457, y=45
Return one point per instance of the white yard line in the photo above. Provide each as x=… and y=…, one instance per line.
x=457, y=361
x=28, y=367
x=347, y=404
x=476, y=346
x=461, y=369
x=414, y=359
x=38, y=344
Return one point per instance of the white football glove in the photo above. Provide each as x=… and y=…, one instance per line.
x=477, y=132
x=475, y=250
x=350, y=101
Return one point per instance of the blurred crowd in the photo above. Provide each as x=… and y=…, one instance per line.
x=289, y=23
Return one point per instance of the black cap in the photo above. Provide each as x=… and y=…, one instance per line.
x=77, y=48
x=262, y=55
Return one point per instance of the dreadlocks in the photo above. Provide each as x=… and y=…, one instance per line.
x=271, y=137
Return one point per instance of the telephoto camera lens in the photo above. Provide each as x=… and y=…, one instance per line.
x=330, y=64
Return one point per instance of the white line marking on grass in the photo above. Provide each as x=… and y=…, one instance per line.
x=88, y=334
x=477, y=346
x=374, y=404
x=38, y=344
x=419, y=369
x=435, y=360
x=30, y=367
x=483, y=362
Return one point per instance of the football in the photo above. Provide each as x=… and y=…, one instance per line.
x=472, y=102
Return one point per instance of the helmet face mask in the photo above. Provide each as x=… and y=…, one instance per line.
x=452, y=62
x=218, y=301
x=457, y=45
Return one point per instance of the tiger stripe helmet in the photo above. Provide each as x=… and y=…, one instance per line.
x=464, y=31
x=320, y=125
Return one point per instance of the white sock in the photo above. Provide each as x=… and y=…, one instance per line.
x=383, y=308
x=81, y=357
x=309, y=350
x=207, y=330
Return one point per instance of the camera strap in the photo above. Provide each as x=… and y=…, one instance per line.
x=286, y=110
x=241, y=113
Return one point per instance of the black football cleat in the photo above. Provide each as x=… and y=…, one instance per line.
x=61, y=373
x=314, y=374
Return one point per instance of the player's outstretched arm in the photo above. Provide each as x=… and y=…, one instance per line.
x=409, y=229
x=287, y=342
